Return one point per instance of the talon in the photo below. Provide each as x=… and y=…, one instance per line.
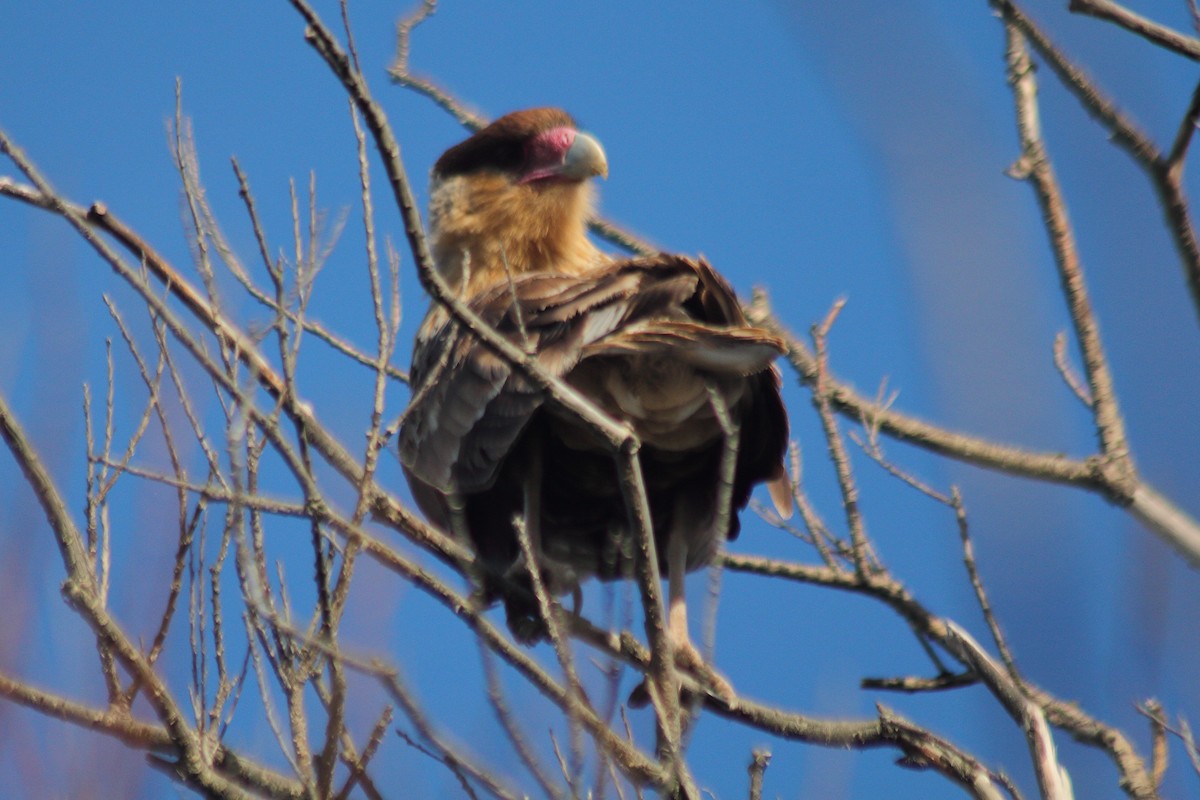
x=688, y=658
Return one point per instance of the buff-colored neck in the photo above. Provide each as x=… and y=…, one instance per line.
x=485, y=228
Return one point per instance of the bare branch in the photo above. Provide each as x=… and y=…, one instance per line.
x=123, y=727
x=758, y=765
x=1151, y=31
x=1125, y=133
x=1068, y=374
x=1064, y=715
x=864, y=560
x=1052, y=777
x=1162, y=516
x=1034, y=166
x=516, y=737
x=1173, y=163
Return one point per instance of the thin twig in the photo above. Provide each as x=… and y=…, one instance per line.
x=515, y=736
x=1051, y=776
x=122, y=726
x=1063, y=366
x=1151, y=31
x=758, y=765
x=1165, y=176
x=1183, y=139
x=1034, y=166
x=80, y=591
x=861, y=552
x=357, y=764
x=1067, y=716
x=1159, y=751
x=554, y=628
x=960, y=516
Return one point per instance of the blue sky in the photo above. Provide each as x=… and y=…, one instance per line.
x=820, y=150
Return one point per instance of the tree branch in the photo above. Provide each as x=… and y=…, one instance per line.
x=1161, y=35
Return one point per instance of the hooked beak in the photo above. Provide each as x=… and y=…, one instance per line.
x=584, y=159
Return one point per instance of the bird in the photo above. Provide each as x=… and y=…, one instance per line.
x=658, y=343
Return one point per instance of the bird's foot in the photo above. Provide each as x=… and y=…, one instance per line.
x=688, y=660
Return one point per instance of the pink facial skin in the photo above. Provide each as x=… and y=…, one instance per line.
x=545, y=153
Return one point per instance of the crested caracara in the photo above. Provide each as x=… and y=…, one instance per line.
x=658, y=342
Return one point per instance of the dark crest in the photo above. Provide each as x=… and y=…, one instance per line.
x=501, y=145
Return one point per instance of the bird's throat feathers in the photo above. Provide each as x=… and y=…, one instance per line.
x=485, y=227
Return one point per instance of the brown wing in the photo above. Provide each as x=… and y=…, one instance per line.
x=645, y=339
x=766, y=420
x=738, y=351
x=469, y=406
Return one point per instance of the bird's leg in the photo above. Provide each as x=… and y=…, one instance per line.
x=685, y=653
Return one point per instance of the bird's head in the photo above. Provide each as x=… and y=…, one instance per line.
x=517, y=191
x=534, y=146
